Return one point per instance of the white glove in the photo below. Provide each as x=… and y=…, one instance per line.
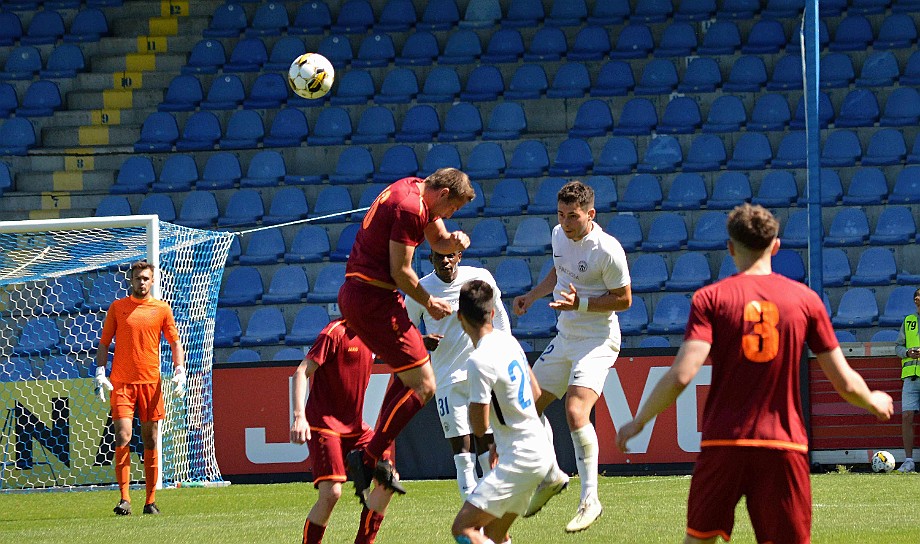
x=179, y=380
x=101, y=383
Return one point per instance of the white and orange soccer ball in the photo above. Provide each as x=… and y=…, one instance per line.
x=311, y=76
x=882, y=461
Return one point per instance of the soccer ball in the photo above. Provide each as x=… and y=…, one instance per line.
x=311, y=75
x=882, y=461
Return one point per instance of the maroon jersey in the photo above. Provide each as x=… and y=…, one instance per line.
x=337, y=388
x=398, y=214
x=758, y=327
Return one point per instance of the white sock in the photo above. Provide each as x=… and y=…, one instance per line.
x=484, y=463
x=549, y=434
x=908, y=459
x=586, y=453
x=466, y=473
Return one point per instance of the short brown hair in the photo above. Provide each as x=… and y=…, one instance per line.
x=754, y=227
x=475, y=303
x=141, y=265
x=456, y=181
x=576, y=192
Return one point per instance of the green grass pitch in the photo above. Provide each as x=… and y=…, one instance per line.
x=848, y=507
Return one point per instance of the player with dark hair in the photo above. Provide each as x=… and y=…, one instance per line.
x=502, y=393
x=338, y=367
x=135, y=323
x=754, y=326
x=908, y=349
x=379, y=267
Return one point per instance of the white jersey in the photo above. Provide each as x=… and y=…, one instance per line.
x=594, y=265
x=498, y=375
x=449, y=360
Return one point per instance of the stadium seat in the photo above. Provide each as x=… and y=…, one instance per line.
x=795, y=230
x=481, y=14
x=654, y=341
x=688, y=191
x=400, y=86
x=778, y=189
x=308, y=323
x=771, y=112
x=59, y=367
x=701, y=76
x=248, y=55
x=226, y=93
x=738, y=9
x=571, y=81
x=227, y=328
x=766, y=37
x=201, y=132
x=439, y=15
x=265, y=327
x=730, y=189
x=681, y=116
x=548, y=44
x=236, y=249
x=8, y=100
x=638, y=117
x=539, y=321
x=691, y=271
x=835, y=266
x=506, y=122
x=39, y=336
x=344, y=243
x=419, y=49
x=311, y=18
x=487, y=239
x=670, y=314
x=332, y=127
x=486, y=161
x=199, y=210
x=825, y=112
x=658, y=77
x=264, y=247
x=440, y=156
x=908, y=269
x=668, y=232
x=859, y=109
x=269, y=91
x=289, y=285
x=836, y=71
x=244, y=356
x=229, y=21
x=242, y=287
x=634, y=320
x=10, y=28
x=113, y=205
x=886, y=147
x=528, y=82
x=270, y=19
x=609, y=12
x=159, y=133
x=902, y=108
x=283, y=52
x=721, y=38
x=791, y=152
x=331, y=200
x=897, y=31
x=857, y=308
x=677, y=40
x=573, y=158
x=45, y=28
x=831, y=189
x=615, y=78
x=462, y=47
x=398, y=162
x=880, y=69
x=533, y=236
x=288, y=129
x=914, y=156
x=726, y=114
x=397, y=16
x=513, y=277
x=244, y=208
x=898, y=306
x=183, y=94
x=375, y=126
x=648, y=273
x=789, y=263
x=709, y=232
x=752, y=152
x=625, y=228
x=62, y=295
x=545, y=200
x=885, y=335
x=787, y=73
x=179, y=173
x=853, y=33
x=618, y=156
x=222, y=171
x=707, y=152
x=841, y=148
x=65, y=61
x=17, y=136
x=207, y=57
x=662, y=155
x=593, y=43
x=509, y=197
x=483, y=84
x=529, y=159
x=354, y=165
x=748, y=74
x=505, y=45
x=266, y=169
x=41, y=99
x=288, y=204
x=634, y=41
x=354, y=17
x=355, y=87
x=876, y=266
x=653, y=11
x=850, y=227
x=310, y=245
x=327, y=284
x=844, y=336
x=244, y=130
x=643, y=193
x=420, y=124
x=906, y=188
x=441, y=85
x=695, y=10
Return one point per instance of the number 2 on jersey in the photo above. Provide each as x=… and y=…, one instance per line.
x=516, y=372
x=762, y=345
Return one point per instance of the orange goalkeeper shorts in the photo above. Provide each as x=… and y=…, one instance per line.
x=143, y=399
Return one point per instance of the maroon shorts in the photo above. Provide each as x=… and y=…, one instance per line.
x=776, y=484
x=327, y=453
x=380, y=319
x=145, y=399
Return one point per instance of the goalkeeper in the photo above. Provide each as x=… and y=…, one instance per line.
x=135, y=323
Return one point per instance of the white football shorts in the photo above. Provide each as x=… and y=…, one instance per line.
x=584, y=362
x=508, y=488
x=452, y=401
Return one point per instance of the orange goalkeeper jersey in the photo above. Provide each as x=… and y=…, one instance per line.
x=136, y=326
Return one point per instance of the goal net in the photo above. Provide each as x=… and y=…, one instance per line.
x=57, y=279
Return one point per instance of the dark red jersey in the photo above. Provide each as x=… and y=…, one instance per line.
x=398, y=214
x=758, y=327
x=337, y=388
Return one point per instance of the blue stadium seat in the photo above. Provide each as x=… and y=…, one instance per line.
x=787, y=73
x=831, y=189
x=902, y=108
x=591, y=43
x=885, y=335
x=45, y=28
x=845, y=336
x=242, y=287
x=269, y=91
x=653, y=11
x=397, y=162
x=376, y=50
x=573, y=158
x=375, y=126
x=850, y=227
x=677, y=40
x=288, y=129
x=508, y=197
x=906, y=188
x=766, y=37
x=795, y=230
x=481, y=14
x=662, y=155
x=897, y=31
x=473, y=208
x=528, y=82
x=513, y=276
x=307, y=325
x=440, y=156
x=82, y=331
x=539, y=321
x=227, y=328
x=637, y=117
x=59, y=368
x=748, y=74
x=355, y=87
x=634, y=320
x=354, y=165
x=244, y=356
x=283, y=52
x=721, y=38
x=487, y=239
x=222, y=171
x=571, y=81
x=17, y=136
x=648, y=273
x=709, y=232
x=643, y=193
x=707, y=152
x=8, y=100
x=62, y=295
x=695, y=10
x=625, y=228
x=857, y=308
x=859, y=109
x=691, y=271
x=605, y=192
x=158, y=133
x=41, y=99
x=633, y=42
x=288, y=204
x=332, y=127
x=841, y=148
x=668, y=232
x=439, y=15
x=288, y=354
x=789, y=263
x=880, y=69
x=486, y=161
x=270, y=19
x=441, y=85
x=726, y=114
x=836, y=71
x=654, y=341
x=529, y=159
x=778, y=189
x=354, y=17
x=326, y=286
x=484, y=83
x=914, y=156
x=179, y=173
x=265, y=327
x=420, y=124
x=853, y=33
x=688, y=191
x=523, y=13
x=738, y=9
x=244, y=208
x=397, y=16
x=506, y=122
x=533, y=236
x=462, y=47
x=615, y=78
x=39, y=336
x=399, y=86
x=618, y=156
x=545, y=200
x=752, y=152
x=681, y=116
x=310, y=245
x=368, y=196
x=419, y=49
x=835, y=266
x=264, y=247
x=201, y=132
x=771, y=112
x=113, y=205
x=344, y=243
x=701, y=76
x=791, y=152
x=244, y=130
x=608, y=12
x=199, y=210
x=898, y=306
x=10, y=28
x=266, y=169
x=825, y=112
x=248, y=55
x=207, y=57
x=65, y=61
x=226, y=93
x=876, y=266
x=886, y=147
x=547, y=45
x=867, y=7
x=229, y=21
x=670, y=314
x=311, y=18
x=102, y=290
x=236, y=249
x=505, y=45
x=658, y=77
x=330, y=200
x=183, y=94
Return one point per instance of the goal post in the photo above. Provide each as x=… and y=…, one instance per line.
x=57, y=279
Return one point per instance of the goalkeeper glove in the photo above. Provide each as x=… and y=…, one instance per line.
x=179, y=380
x=101, y=383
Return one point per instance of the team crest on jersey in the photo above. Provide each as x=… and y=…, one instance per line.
x=582, y=266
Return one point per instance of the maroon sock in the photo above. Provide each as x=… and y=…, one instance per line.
x=313, y=533
x=370, y=524
x=399, y=405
